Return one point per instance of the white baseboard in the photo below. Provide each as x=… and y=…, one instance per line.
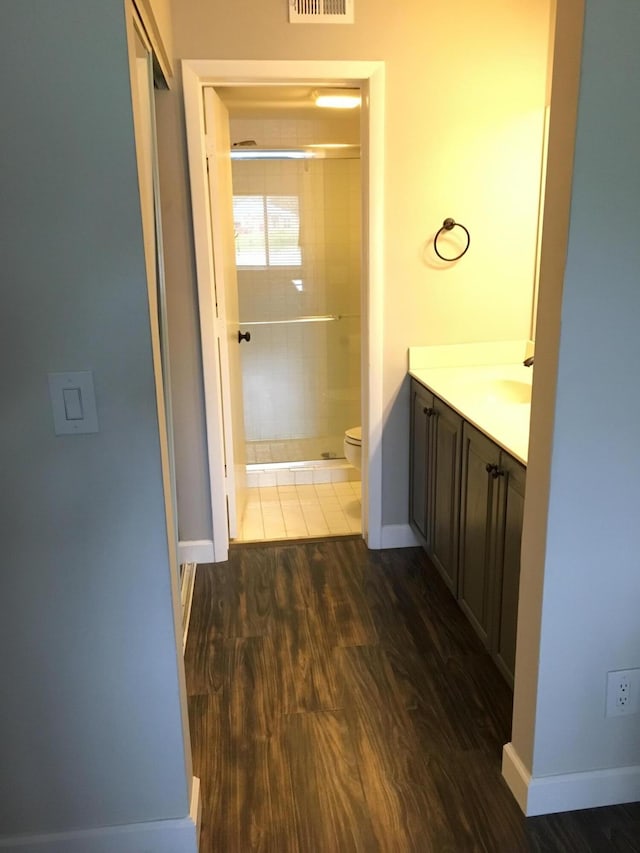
x=515, y=775
x=186, y=596
x=159, y=836
x=195, y=810
x=398, y=536
x=568, y=791
x=195, y=551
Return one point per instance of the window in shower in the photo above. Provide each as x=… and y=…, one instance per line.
x=267, y=230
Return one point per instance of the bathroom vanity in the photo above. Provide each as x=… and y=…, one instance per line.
x=469, y=437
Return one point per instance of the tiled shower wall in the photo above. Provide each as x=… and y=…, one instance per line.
x=303, y=380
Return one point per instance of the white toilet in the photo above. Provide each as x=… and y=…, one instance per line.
x=353, y=446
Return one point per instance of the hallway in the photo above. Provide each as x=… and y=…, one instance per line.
x=339, y=701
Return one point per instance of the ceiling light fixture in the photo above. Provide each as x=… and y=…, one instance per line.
x=337, y=99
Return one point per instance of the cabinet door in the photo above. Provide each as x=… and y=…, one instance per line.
x=509, y=539
x=477, y=514
x=446, y=428
x=421, y=406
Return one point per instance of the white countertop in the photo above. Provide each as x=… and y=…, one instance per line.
x=492, y=397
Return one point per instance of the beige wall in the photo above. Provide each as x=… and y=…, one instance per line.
x=464, y=106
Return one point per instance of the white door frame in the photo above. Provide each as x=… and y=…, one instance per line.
x=370, y=78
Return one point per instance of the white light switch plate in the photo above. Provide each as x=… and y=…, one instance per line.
x=77, y=413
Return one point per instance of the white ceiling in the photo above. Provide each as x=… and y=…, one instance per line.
x=276, y=101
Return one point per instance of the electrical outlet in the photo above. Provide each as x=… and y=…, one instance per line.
x=623, y=692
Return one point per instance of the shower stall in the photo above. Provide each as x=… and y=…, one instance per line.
x=297, y=221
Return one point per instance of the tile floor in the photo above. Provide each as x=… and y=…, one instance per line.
x=302, y=511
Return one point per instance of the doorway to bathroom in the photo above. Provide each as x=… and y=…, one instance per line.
x=297, y=200
x=219, y=335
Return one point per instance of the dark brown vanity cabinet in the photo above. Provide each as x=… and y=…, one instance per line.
x=466, y=506
x=478, y=510
x=491, y=514
x=421, y=403
x=436, y=441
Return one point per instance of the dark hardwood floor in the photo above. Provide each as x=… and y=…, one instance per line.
x=339, y=701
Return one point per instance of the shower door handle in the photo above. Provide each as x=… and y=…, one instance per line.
x=244, y=336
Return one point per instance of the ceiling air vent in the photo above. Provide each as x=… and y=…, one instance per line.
x=321, y=11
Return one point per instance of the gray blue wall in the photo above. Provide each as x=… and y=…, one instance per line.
x=90, y=720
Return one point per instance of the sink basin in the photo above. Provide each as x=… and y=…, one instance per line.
x=508, y=390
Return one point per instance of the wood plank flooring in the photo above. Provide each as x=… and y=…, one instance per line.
x=339, y=701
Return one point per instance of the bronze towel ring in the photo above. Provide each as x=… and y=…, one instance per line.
x=448, y=225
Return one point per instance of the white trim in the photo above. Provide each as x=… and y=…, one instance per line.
x=515, y=775
x=186, y=597
x=160, y=836
x=195, y=808
x=196, y=551
x=373, y=373
x=568, y=791
x=194, y=116
x=398, y=536
x=236, y=72
x=370, y=76
x=154, y=34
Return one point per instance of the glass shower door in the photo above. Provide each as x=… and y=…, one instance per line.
x=298, y=254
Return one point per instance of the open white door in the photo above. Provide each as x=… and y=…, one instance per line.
x=199, y=75
x=226, y=320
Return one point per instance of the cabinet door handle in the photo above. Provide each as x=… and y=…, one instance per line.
x=494, y=470
x=429, y=412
